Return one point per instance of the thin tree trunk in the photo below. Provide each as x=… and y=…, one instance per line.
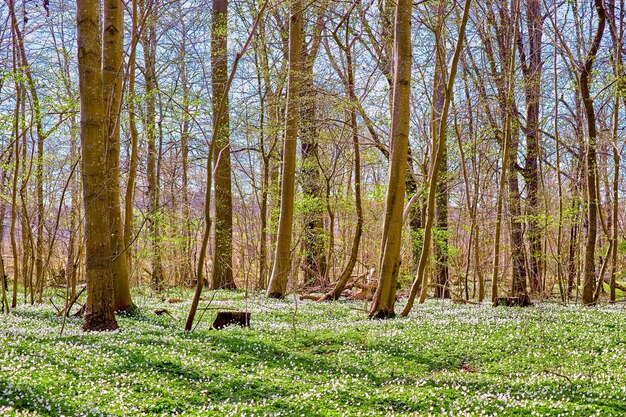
x=149, y=48
x=615, y=207
x=519, y=269
x=339, y=286
x=385, y=295
x=617, y=34
x=112, y=63
x=590, y=168
x=187, y=254
x=506, y=156
x=441, y=199
x=282, y=257
x=129, y=196
x=557, y=144
x=531, y=69
x=72, y=258
x=39, y=272
x=19, y=87
x=438, y=149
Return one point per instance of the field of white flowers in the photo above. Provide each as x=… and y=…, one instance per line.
x=308, y=359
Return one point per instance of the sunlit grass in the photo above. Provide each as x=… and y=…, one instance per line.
x=318, y=360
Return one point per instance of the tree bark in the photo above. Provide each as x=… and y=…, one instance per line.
x=223, y=254
x=129, y=196
x=99, y=313
x=441, y=199
x=385, y=295
x=112, y=65
x=584, y=77
x=149, y=48
x=531, y=69
x=282, y=258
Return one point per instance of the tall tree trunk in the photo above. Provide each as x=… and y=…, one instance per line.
x=577, y=191
x=472, y=204
x=282, y=258
x=99, y=313
x=27, y=235
x=531, y=69
x=507, y=102
x=129, y=196
x=584, y=78
x=112, y=65
x=187, y=267
x=39, y=270
x=421, y=277
x=505, y=33
x=617, y=36
x=315, y=262
x=385, y=295
x=223, y=254
x=19, y=116
x=313, y=240
x=149, y=48
x=557, y=144
x=519, y=274
x=441, y=199
x=72, y=252
x=615, y=211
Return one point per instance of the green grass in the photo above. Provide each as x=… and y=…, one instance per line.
x=327, y=360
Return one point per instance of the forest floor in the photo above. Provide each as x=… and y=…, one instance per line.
x=318, y=360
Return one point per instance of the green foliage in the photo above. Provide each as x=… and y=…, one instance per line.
x=308, y=205
x=377, y=193
x=330, y=361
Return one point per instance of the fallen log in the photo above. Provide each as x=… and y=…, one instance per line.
x=309, y=297
x=161, y=311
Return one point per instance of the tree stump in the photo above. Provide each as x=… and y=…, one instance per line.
x=227, y=318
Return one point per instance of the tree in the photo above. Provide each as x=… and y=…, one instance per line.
x=315, y=262
x=497, y=35
x=282, y=257
x=99, y=315
x=584, y=81
x=441, y=198
x=223, y=255
x=129, y=196
x=531, y=69
x=438, y=150
x=508, y=155
x=149, y=43
x=112, y=65
x=385, y=295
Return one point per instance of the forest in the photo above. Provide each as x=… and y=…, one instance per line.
x=386, y=207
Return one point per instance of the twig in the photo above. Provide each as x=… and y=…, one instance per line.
x=558, y=374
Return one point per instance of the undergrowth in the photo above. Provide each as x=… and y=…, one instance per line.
x=318, y=360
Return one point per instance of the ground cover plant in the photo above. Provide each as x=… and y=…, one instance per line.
x=314, y=359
